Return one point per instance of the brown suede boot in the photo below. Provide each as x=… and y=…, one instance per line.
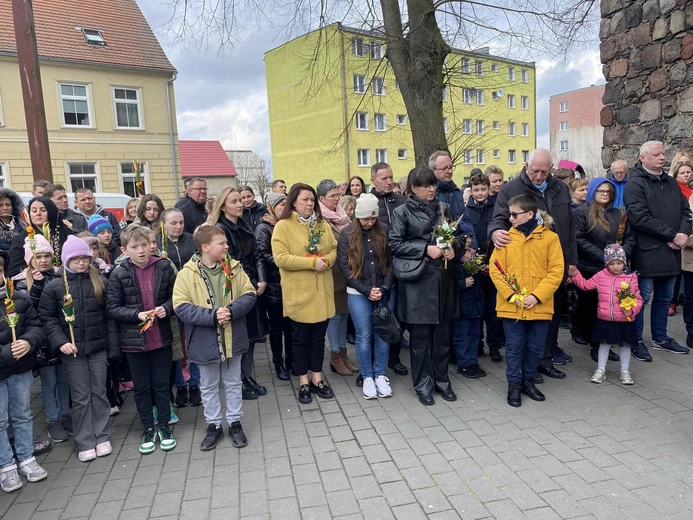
x=347, y=362
x=337, y=365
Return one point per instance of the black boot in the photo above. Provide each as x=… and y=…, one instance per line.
x=259, y=389
x=532, y=392
x=514, y=397
x=282, y=374
x=248, y=393
x=495, y=354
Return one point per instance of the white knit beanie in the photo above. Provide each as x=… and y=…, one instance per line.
x=366, y=206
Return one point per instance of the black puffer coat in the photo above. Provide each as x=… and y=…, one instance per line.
x=371, y=272
x=253, y=214
x=94, y=332
x=180, y=251
x=9, y=230
x=124, y=303
x=432, y=298
x=28, y=328
x=45, y=356
x=591, y=241
x=657, y=210
x=194, y=213
x=263, y=235
x=387, y=202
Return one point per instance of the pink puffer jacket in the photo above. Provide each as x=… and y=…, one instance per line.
x=606, y=284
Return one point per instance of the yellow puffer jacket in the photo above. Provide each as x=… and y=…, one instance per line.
x=308, y=296
x=537, y=263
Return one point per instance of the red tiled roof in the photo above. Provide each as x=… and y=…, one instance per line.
x=205, y=159
x=130, y=40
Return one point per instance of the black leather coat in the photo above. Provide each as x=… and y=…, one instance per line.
x=263, y=235
x=591, y=242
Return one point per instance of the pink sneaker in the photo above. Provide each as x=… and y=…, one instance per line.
x=127, y=385
x=86, y=456
x=104, y=449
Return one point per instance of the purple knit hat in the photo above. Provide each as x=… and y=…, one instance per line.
x=73, y=247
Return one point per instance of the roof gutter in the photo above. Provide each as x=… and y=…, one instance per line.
x=169, y=84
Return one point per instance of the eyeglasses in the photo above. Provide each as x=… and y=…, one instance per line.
x=198, y=189
x=82, y=259
x=515, y=215
x=604, y=192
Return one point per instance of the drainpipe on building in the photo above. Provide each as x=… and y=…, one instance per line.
x=169, y=83
x=346, y=109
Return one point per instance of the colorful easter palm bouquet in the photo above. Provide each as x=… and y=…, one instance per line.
x=627, y=299
x=444, y=233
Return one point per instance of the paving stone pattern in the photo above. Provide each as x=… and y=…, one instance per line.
x=590, y=451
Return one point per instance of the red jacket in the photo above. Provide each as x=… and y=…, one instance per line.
x=607, y=285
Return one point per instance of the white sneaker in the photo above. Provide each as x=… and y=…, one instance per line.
x=9, y=478
x=32, y=470
x=103, y=449
x=382, y=384
x=87, y=455
x=599, y=376
x=114, y=411
x=626, y=378
x=369, y=391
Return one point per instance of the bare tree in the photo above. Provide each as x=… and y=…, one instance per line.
x=252, y=171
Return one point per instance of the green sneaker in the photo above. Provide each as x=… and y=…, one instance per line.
x=166, y=440
x=148, y=444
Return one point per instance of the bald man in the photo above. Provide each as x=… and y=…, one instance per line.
x=618, y=174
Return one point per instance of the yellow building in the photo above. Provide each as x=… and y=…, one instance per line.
x=335, y=109
x=108, y=95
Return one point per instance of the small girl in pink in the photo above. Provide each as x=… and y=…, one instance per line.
x=615, y=325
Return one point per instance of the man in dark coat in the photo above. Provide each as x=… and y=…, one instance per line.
x=87, y=206
x=73, y=220
x=193, y=206
x=447, y=191
x=553, y=197
x=661, y=218
x=382, y=181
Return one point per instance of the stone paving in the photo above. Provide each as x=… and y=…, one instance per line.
x=590, y=451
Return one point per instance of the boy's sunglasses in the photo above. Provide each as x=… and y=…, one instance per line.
x=515, y=215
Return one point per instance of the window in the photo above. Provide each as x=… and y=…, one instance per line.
x=93, y=36
x=445, y=124
x=479, y=67
x=361, y=120
x=467, y=96
x=445, y=94
x=358, y=48
x=564, y=145
x=380, y=122
x=379, y=86
x=525, y=129
x=381, y=155
x=496, y=153
x=525, y=156
x=494, y=67
x=127, y=170
x=524, y=102
x=376, y=51
x=494, y=95
x=127, y=107
x=401, y=119
x=3, y=176
x=480, y=97
x=511, y=129
x=401, y=153
x=83, y=175
x=564, y=125
x=359, y=83
x=511, y=100
x=468, y=156
x=481, y=156
x=511, y=156
x=364, y=157
x=511, y=73
x=563, y=107
x=75, y=103
x=524, y=76
x=496, y=125
x=480, y=126
x=467, y=126
x=466, y=65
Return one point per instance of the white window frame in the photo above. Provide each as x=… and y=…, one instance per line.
x=379, y=91
x=496, y=125
x=469, y=157
x=512, y=129
x=511, y=73
x=496, y=153
x=93, y=36
x=138, y=103
x=363, y=153
x=480, y=156
x=401, y=119
x=467, y=96
x=524, y=75
x=4, y=175
x=564, y=145
x=467, y=126
x=525, y=156
x=563, y=107
x=479, y=67
x=96, y=176
x=480, y=97
x=563, y=126
x=512, y=156
x=480, y=126
x=511, y=100
x=359, y=47
x=130, y=177
x=359, y=126
x=381, y=155
x=494, y=67
x=445, y=125
x=466, y=66
x=359, y=84
x=87, y=98
x=402, y=153
x=382, y=118
x=376, y=50
x=524, y=128
x=524, y=102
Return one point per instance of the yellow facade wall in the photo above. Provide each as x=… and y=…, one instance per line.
x=101, y=143
x=313, y=110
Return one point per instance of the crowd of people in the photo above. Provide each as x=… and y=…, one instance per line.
x=170, y=303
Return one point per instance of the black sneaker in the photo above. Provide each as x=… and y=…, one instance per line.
x=495, y=355
x=468, y=372
x=641, y=353
x=670, y=345
x=66, y=421
x=304, y=395
x=480, y=371
x=321, y=389
x=248, y=393
x=238, y=438
x=194, y=396
x=181, y=397
x=359, y=380
x=259, y=389
x=212, y=435
x=689, y=340
x=56, y=432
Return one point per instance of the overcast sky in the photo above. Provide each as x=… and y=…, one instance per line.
x=225, y=98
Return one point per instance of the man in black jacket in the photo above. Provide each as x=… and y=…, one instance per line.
x=661, y=218
x=447, y=191
x=553, y=197
x=73, y=220
x=382, y=181
x=193, y=206
x=87, y=206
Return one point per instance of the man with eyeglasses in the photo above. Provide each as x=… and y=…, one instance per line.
x=446, y=190
x=193, y=206
x=553, y=197
x=618, y=175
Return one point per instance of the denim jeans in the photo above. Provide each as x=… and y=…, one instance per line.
x=55, y=391
x=524, y=346
x=662, y=290
x=466, y=333
x=194, y=372
x=336, y=331
x=15, y=403
x=361, y=308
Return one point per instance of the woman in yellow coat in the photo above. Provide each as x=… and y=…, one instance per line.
x=305, y=251
x=535, y=259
